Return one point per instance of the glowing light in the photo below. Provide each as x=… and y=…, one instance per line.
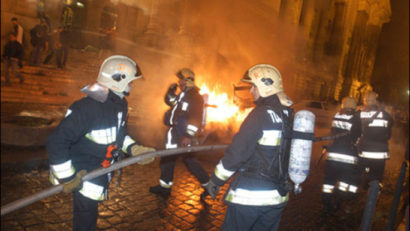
x=221, y=108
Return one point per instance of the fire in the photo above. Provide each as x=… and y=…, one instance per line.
x=221, y=108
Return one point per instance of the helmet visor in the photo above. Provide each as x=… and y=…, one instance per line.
x=246, y=78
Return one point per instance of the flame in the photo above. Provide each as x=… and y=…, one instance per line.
x=221, y=108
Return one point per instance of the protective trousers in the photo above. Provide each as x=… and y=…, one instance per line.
x=255, y=218
x=167, y=164
x=85, y=213
x=373, y=169
x=341, y=182
x=337, y=174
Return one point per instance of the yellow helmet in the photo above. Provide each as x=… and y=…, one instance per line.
x=117, y=71
x=266, y=78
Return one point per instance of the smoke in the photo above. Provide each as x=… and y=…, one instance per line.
x=219, y=40
x=145, y=5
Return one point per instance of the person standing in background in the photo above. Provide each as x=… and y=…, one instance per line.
x=13, y=52
x=38, y=40
x=62, y=46
x=18, y=30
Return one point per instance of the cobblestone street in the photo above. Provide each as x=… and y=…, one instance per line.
x=130, y=206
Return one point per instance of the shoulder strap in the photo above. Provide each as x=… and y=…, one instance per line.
x=286, y=136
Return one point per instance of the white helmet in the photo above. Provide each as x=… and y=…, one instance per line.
x=187, y=75
x=117, y=71
x=349, y=102
x=370, y=98
x=266, y=78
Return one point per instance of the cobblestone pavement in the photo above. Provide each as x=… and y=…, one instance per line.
x=132, y=207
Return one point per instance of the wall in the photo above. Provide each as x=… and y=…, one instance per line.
x=329, y=44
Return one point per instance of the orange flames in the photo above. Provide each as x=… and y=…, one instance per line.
x=221, y=108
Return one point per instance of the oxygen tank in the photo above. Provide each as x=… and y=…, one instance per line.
x=301, y=148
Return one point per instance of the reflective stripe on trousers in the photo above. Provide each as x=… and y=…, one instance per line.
x=327, y=188
x=345, y=187
x=342, y=186
x=169, y=144
x=256, y=198
x=374, y=155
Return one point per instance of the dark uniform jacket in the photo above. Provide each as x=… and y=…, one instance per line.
x=81, y=139
x=260, y=135
x=186, y=112
x=38, y=35
x=13, y=49
x=376, y=132
x=345, y=121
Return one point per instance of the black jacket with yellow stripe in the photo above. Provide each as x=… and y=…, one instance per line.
x=186, y=114
x=259, y=138
x=81, y=139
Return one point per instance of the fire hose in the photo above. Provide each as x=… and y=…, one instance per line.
x=330, y=137
x=118, y=165
x=101, y=171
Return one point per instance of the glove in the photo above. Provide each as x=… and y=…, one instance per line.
x=212, y=188
x=75, y=183
x=172, y=89
x=137, y=150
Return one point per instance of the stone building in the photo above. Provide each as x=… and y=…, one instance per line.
x=341, y=36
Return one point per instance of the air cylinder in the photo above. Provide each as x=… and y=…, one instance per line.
x=301, y=147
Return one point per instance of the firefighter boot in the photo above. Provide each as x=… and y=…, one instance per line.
x=327, y=205
x=161, y=191
x=203, y=195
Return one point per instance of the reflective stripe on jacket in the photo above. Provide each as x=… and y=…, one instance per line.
x=81, y=139
x=187, y=113
x=261, y=132
x=348, y=159
x=343, y=149
x=376, y=132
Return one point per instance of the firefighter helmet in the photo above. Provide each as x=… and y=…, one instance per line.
x=266, y=78
x=370, y=98
x=349, y=102
x=117, y=71
x=186, y=75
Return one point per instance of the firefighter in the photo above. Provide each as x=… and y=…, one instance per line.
x=373, y=144
x=185, y=124
x=259, y=192
x=342, y=174
x=90, y=136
